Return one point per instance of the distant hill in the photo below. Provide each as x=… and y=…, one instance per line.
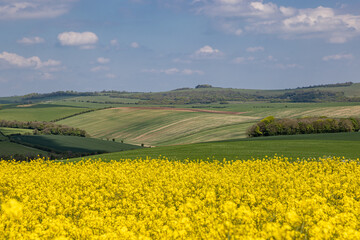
x=203, y=94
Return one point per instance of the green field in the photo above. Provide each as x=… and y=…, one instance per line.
x=2, y=136
x=60, y=144
x=297, y=146
x=160, y=127
x=9, y=131
x=38, y=112
x=10, y=149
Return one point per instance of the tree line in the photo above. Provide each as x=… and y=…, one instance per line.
x=27, y=157
x=47, y=128
x=345, y=84
x=33, y=96
x=212, y=95
x=271, y=126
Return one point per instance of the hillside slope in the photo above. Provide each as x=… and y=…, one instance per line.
x=161, y=127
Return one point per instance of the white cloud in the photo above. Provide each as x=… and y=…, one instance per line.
x=237, y=8
x=99, y=68
x=51, y=63
x=255, y=49
x=207, y=52
x=31, y=40
x=85, y=40
x=34, y=62
x=33, y=9
x=287, y=22
x=263, y=10
x=172, y=71
x=338, y=57
x=135, y=45
x=103, y=60
x=287, y=11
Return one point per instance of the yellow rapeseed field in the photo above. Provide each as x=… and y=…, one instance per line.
x=269, y=198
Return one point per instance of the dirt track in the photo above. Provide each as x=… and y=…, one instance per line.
x=182, y=110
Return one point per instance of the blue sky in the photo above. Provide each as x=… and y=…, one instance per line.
x=157, y=45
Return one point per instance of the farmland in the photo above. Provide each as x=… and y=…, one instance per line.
x=161, y=199
x=38, y=112
x=125, y=117
x=167, y=127
x=295, y=146
x=160, y=127
x=198, y=176
x=10, y=131
x=73, y=144
x=10, y=149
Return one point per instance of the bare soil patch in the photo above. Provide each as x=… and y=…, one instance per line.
x=25, y=105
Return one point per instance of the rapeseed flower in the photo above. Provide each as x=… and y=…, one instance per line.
x=270, y=198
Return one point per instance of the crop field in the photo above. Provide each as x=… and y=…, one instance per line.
x=59, y=143
x=268, y=198
x=38, y=112
x=160, y=127
x=3, y=137
x=290, y=110
x=295, y=146
x=9, y=131
x=10, y=149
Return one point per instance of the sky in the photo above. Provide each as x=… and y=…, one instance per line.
x=160, y=45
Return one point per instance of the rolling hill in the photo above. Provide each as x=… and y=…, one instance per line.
x=161, y=126
x=157, y=119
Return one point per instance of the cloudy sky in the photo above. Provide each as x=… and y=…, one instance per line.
x=156, y=45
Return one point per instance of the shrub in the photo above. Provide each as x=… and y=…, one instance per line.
x=270, y=126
